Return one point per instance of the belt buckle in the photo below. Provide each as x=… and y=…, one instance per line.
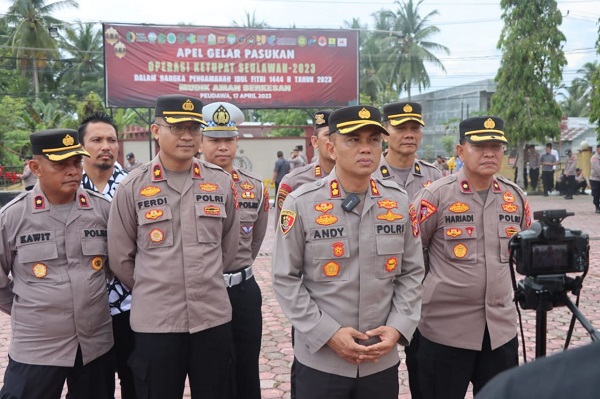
x=227, y=278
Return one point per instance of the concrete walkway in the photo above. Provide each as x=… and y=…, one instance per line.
x=277, y=353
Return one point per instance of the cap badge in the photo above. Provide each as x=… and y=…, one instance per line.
x=407, y=108
x=319, y=119
x=97, y=263
x=364, y=114
x=68, y=140
x=489, y=124
x=40, y=270
x=221, y=116
x=188, y=105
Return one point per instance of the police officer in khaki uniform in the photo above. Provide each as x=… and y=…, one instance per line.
x=313, y=171
x=468, y=325
x=347, y=268
x=53, y=245
x=219, y=146
x=404, y=122
x=173, y=225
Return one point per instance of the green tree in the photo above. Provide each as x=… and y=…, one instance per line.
x=295, y=118
x=409, y=47
x=83, y=68
x=574, y=101
x=30, y=38
x=595, y=92
x=531, y=66
x=14, y=138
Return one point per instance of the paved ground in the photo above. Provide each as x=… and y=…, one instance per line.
x=276, y=353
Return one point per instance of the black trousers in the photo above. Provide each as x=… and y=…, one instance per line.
x=246, y=301
x=95, y=380
x=571, y=185
x=445, y=371
x=161, y=362
x=534, y=174
x=595, y=184
x=315, y=384
x=412, y=366
x=124, y=342
x=547, y=180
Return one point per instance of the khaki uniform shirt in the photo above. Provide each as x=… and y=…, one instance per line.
x=469, y=284
x=57, y=296
x=295, y=179
x=169, y=247
x=421, y=175
x=595, y=164
x=571, y=165
x=253, y=198
x=334, y=269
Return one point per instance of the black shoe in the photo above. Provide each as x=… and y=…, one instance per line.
x=597, y=210
x=568, y=197
x=545, y=194
x=583, y=193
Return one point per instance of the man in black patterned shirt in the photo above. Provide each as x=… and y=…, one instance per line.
x=101, y=173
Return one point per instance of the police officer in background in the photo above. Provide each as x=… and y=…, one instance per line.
x=571, y=174
x=219, y=146
x=468, y=325
x=53, y=245
x=173, y=225
x=313, y=171
x=347, y=268
x=404, y=122
x=102, y=174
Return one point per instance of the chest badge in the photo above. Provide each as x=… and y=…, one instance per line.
x=510, y=208
x=150, y=191
x=427, y=183
x=97, y=263
x=40, y=270
x=453, y=232
x=458, y=207
x=154, y=214
x=246, y=186
x=157, y=235
x=331, y=269
x=460, y=251
x=208, y=187
x=212, y=210
x=391, y=264
x=338, y=249
x=325, y=219
x=508, y=197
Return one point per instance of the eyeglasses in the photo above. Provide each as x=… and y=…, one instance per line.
x=179, y=130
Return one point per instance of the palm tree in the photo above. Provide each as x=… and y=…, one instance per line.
x=29, y=21
x=588, y=70
x=409, y=48
x=250, y=22
x=575, y=102
x=84, y=65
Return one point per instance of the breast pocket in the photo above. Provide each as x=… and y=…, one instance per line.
x=331, y=260
x=95, y=251
x=209, y=222
x=155, y=227
x=41, y=265
x=505, y=232
x=389, y=256
x=460, y=243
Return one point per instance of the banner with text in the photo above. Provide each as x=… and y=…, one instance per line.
x=253, y=68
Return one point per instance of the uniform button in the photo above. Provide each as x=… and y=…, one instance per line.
x=319, y=183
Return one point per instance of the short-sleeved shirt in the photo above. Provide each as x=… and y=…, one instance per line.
x=282, y=167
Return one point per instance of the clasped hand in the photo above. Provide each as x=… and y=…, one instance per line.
x=344, y=344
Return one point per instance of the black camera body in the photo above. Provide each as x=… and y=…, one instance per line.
x=548, y=248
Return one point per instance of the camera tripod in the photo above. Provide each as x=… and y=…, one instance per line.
x=543, y=293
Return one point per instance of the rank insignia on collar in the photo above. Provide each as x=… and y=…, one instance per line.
x=331, y=269
x=458, y=207
x=150, y=191
x=157, y=235
x=510, y=208
x=508, y=197
x=287, y=219
x=417, y=168
x=427, y=209
x=246, y=186
x=391, y=264
x=374, y=189
x=157, y=173
x=414, y=223
x=235, y=176
x=318, y=171
x=390, y=216
x=460, y=251
x=496, y=186
x=385, y=172
x=465, y=187
x=208, y=187
x=83, y=201
x=40, y=270
x=38, y=202
x=338, y=249
x=334, y=189
x=97, y=263
x=197, y=173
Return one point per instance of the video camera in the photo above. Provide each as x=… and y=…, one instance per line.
x=548, y=248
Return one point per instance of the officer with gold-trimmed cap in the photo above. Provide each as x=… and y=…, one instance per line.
x=53, y=246
x=174, y=225
x=219, y=146
x=467, y=220
x=348, y=266
x=400, y=163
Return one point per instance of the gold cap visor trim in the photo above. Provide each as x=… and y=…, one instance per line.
x=355, y=125
x=480, y=138
x=396, y=122
x=180, y=117
x=59, y=156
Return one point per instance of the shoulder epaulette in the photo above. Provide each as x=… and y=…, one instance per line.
x=95, y=194
x=514, y=185
x=308, y=187
x=249, y=174
x=389, y=184
x=14, y=201
x=212, y=166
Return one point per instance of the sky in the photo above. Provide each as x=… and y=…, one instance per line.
x=469, y=28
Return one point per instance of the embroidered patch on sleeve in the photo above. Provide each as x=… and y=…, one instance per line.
x=426, y=210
